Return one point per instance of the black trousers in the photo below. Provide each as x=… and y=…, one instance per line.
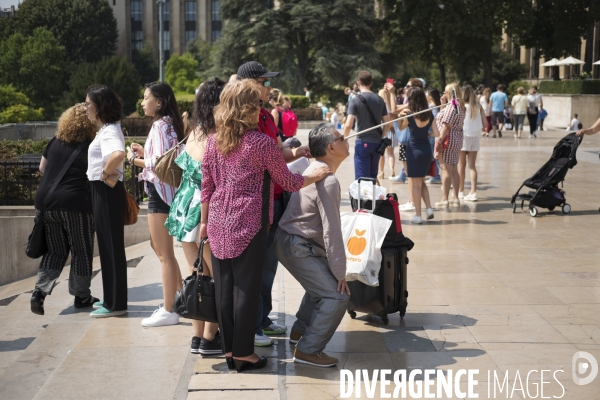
x=237, y=284
x=109, y=215
x=67, y=232
x=532, y=118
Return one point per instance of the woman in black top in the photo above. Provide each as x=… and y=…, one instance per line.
x=67, y=213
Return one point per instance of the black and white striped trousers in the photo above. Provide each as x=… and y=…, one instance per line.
x=67, y=232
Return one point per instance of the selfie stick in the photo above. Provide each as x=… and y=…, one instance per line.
x=397, y=119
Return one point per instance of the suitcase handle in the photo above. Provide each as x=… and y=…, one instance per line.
x=373, y=181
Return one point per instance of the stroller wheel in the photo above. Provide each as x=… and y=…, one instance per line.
x=566, y=208
x=533, y=211
x=514, y=207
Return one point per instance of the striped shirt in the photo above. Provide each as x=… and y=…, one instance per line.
x=161, y=138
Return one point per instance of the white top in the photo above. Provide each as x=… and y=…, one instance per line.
x=335, y=119
x=535, y=99
x=108, y=140
x=487, y=108
x=520, y=104
x=472, y=127
x=574, y=124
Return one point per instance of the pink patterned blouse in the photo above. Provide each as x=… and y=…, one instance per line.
x=233, y=185
x=161, y=138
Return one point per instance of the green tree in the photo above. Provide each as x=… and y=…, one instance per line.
x=14, y=107
x=86, y=28
x=201, y=50
x=180, y=73
x=20, y=113
x=36, y=66
x=553, y=27
x=313, y=43
x=146, y=63
x=114, y=72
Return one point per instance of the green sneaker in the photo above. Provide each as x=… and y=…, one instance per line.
x=105, y=313
x=275, y=329
x=98, y=304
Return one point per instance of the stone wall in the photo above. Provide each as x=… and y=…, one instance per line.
x=561, y=107
x=16, y=224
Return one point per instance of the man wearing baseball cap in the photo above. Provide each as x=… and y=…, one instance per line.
x=266, y=124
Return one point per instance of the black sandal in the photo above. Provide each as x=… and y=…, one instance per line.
x=81, y=302
x=37, y=302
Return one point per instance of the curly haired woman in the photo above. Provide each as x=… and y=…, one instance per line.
x=236, y=211
x=67, y=213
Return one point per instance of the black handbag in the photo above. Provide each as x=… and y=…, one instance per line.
x=197, y=299
x=36, y=244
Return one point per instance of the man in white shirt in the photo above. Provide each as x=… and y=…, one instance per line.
x=575, y=122
x=335, y=118
x=307, y=93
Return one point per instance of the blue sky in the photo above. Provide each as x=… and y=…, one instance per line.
x=8, y=3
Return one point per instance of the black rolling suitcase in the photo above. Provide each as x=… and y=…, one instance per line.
x=391, y=294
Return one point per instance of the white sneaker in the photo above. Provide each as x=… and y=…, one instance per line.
x=471, y=197
x=416, y=220
x=461, y=195
x=262, y=340
x=161, y=317
x=530, y=136
x=430, y=213
x=408, y=206
x=397, y=179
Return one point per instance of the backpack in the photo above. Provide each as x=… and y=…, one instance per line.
x=531, y=108
x=289, y=123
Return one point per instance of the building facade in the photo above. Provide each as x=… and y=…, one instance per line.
x=184, y=20
x=528, y=57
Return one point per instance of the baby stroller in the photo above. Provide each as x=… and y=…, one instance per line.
x=546, y=193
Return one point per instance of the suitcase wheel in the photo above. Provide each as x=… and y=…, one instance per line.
x=352, y=314
x=402, y=312
x=385, y=320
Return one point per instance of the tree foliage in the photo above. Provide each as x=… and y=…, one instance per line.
x=180, y=73
x=14, y=107
x=313, y=43
x=114, y=72
x=201, y=51
x=146, y=63
x=86, y=28
x=36, y=66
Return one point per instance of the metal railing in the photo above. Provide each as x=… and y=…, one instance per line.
x=19, y=181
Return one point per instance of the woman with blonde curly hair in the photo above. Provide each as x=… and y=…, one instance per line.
x=67, y=212
x=236, y=211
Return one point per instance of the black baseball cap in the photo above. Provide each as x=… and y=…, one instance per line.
x=253, y=70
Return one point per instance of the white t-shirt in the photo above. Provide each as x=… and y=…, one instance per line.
x=575, y=124
x=487, y=108
x=334, y=119
x=472, y=127
x=108, y=140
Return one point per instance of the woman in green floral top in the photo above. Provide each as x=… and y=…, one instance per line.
x=183, y=221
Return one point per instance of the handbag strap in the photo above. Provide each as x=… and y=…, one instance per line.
x=364, y=101
x=198, y=267
x=62, y=173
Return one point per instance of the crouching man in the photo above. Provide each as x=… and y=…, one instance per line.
x=310, y=246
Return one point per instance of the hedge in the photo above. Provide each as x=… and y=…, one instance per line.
x=514, y=85
x=10, y=149
x=571, y=87
x=299, y=101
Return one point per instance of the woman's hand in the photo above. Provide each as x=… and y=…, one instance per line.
x=404, y=112
x=203, y=230
x=302, y=151
x=130, y=153
x=587, y=131
x=388, y=86
x=138, y=149
x=319, y=173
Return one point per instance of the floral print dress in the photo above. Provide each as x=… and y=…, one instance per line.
x=183, y=221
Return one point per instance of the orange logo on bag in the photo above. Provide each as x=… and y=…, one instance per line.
x=356, y=245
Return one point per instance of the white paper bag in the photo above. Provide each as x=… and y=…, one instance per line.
x=363, y=237
x=298, y=166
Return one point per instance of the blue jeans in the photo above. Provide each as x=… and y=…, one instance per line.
x=265, y=304
x=366, y=160
x=437, y=162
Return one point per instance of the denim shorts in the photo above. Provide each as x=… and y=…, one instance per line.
x=155, y=204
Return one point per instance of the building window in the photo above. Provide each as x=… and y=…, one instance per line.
x=166, y=34
x=216, y=22
x=517, y=52
x=137, y=35
x=190, y=21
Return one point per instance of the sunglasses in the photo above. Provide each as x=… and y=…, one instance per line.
x=266, y=83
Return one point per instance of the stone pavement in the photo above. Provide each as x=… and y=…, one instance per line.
x=488, y=290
